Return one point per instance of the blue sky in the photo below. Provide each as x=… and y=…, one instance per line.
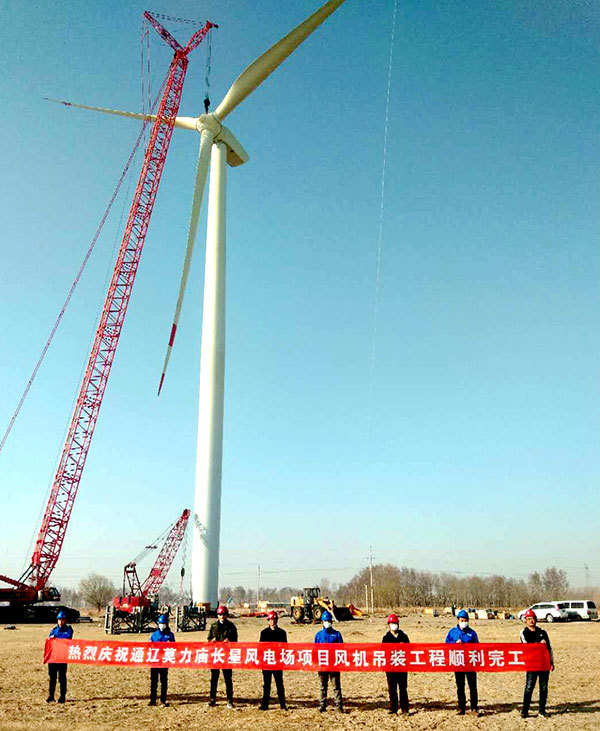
x=482, y=450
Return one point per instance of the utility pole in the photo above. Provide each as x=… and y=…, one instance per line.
x=587, y=576
x=367, y=597
x=258, y=588
x=371, y=574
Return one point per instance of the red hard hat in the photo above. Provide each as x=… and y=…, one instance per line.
x=393, y=618
x=273, y=615
x=222, y=609
x=530, y=613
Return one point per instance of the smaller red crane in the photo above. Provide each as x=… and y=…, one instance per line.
x=137, y=607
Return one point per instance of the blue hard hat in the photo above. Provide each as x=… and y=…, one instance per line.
x=326, y=616
x=463, y=614
x=163, y=619
x=61, y=615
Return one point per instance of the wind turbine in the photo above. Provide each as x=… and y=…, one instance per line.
x=218, y=147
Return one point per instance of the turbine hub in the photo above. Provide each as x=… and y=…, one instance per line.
x=210, y=123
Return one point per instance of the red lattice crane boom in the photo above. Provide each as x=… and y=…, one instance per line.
x=158, y=573
x=161, y=567
x=32, y=584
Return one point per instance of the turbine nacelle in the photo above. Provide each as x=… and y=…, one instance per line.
x=236, y=154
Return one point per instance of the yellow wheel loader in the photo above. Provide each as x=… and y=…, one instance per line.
x=310, y=605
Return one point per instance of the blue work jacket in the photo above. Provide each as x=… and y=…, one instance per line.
x=464, y=635
x=328, y=635
x=62, y=633
x=160, y=636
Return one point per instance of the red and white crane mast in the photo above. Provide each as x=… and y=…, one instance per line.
x=50, y=539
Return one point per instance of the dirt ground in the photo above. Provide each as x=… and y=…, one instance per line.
x=117, y=698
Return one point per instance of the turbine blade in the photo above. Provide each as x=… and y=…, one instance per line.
x=264, y=65
x=134, y=115
x=183, y=122
x=204, y=154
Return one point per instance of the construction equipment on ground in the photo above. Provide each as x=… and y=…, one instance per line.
x=137, y=608
x=309, y=605
x=190, y=617
x=25, y=598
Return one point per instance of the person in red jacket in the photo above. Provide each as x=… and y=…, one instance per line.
x=396, y=681
x=532, y=633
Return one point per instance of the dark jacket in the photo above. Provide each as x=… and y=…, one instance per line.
x=223, y=631
x=389, y=637
x=273, y=635
x=62, y=633
x=537, y=635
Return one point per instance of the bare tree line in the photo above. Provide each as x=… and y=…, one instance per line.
x=393, y=586
x=406, y=587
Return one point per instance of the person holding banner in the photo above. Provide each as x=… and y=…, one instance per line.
x=273, y=633
x=223, y=630
x=162, y=634
x=396, y=681
x=462, y=633
x=532, y=633
x=62, y=631
x=329, y=635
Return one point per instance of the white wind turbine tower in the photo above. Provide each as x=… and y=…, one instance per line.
x=218, y=147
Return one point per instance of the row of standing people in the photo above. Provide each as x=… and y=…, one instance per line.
x=224, y=630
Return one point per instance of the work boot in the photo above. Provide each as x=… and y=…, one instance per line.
x=50, y=699
x=212, y=702
x=61, y=699
x=152, y=703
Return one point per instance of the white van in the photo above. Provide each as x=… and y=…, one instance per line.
x=550, y=611
x=585, y=608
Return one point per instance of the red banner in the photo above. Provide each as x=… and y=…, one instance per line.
x=367, y=657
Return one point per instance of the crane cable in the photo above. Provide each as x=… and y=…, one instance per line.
x=79, y=274
x=145, y=76
x=110, y=267
x=207, y=72
x=183, y=565
x=162, y=16
x=380, y=231
x=159, y=540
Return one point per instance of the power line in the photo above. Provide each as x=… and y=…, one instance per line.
x=380, y=231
